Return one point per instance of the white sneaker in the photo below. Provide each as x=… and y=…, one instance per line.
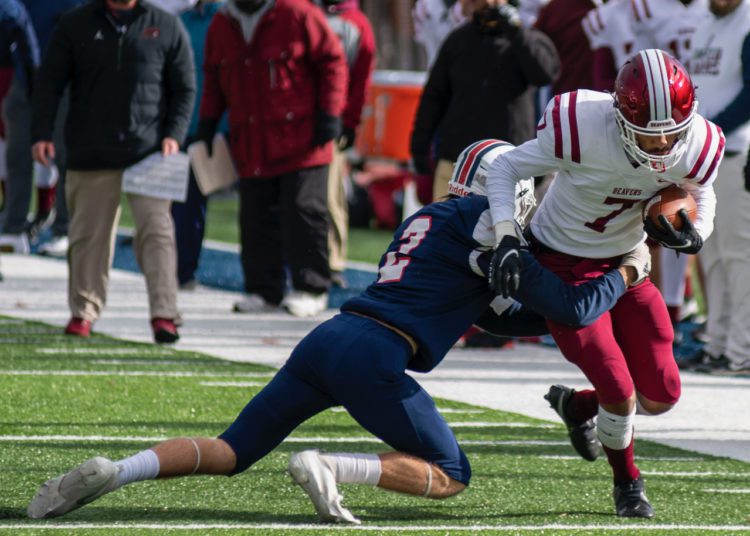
x=253, y=303
x=15, y=243
x=56, y=247
x=316, y=478
x=82, y=485
x=304, y=304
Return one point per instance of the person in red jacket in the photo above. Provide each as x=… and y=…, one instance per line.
x=279, y=70
x=358, y=40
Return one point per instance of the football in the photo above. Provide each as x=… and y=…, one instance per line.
x=668, y=202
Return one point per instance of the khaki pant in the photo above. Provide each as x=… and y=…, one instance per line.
x=443, y=173
x=338, y=234
x=94, y=202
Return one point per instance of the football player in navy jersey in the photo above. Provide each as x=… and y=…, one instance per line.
x=431, y=287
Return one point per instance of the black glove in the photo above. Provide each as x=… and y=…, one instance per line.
x=327, y=128
x=746, y=171
x=346, y=140
x=686, y=240
x=504, y=275
x=206, y=132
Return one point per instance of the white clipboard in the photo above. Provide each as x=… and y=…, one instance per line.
x=162, y=177
x=214, y=173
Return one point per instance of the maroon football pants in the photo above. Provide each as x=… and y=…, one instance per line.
x=629, y=347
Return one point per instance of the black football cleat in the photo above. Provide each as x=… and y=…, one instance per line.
x=582, y=433
x=631, y=500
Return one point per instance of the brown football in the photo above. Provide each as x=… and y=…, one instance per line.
x=668, y=202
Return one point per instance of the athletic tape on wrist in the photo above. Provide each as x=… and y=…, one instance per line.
x=428, y=490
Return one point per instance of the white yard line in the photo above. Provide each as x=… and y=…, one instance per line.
x=231, y=384
x=712, y=490
x=639, y=458
x=160, y=373
x=631, y=527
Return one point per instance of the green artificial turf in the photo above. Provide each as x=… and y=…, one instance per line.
x=66, y=400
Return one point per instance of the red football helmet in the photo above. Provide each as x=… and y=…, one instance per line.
x=653, y=96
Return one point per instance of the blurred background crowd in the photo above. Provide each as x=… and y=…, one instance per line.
x=339, y=114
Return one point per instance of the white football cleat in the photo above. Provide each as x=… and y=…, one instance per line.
x=56, y=247
x=82, y=485
x=15, y=243
x=305, y=304
x=316, y=478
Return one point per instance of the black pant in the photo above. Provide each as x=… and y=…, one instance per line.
x=285, y=219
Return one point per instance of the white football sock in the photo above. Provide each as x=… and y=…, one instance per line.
x=354, y=468
x=141, y=466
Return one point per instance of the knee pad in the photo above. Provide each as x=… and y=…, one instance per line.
x=614, y=431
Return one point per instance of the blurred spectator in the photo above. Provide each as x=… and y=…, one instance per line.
x=721, y=69
x=280, y=71
x=561, y=20
x=358, y=41
x=190, y=217
x=132, y=89
x=19, y=51
x=609, y=29
x=51, y=208
x=482, y=85
x=433, y=21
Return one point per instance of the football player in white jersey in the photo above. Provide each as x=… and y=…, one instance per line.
x=609, y=28
x=611, y=153
x=433, y=21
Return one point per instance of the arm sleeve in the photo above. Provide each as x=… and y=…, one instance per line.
x=545, y=293
x=516, y=321
x=326, y=55
x=54, y=75
x=432, y=104
x=737, y=113
x=213, y=103
x=527, y=160
x=180, y=84
x=536, y=56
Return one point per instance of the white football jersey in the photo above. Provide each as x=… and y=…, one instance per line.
x=594, y=207
x=433, y=21
x=611, y=26
x=668, y=25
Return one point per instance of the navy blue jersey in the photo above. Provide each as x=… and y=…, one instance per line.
x=432, y=285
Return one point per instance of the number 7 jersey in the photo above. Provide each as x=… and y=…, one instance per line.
x=593, y=208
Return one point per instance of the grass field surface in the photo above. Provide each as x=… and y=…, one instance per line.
x=66, y=400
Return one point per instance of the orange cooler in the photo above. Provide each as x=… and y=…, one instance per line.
x=388, y=114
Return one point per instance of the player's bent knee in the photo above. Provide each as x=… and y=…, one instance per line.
x=651, y=407
x=444, y=486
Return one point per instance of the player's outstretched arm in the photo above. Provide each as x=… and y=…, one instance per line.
x=544, y=292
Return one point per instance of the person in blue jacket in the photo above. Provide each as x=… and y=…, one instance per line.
x=431, y=286
x=190, y=217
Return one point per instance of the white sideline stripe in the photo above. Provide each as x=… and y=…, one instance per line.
x=441, y=410
x=639, y=458
x=172, y=374
x=369, y=528
x=147, y=362
x=231, y=384
x=470, y=424
x=696, y=473
x=112, y=350
x=710, y=490
x=478, y=442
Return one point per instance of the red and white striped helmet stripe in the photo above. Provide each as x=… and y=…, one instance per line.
x=658, y=85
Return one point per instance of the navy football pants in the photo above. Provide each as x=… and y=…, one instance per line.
x=359, y=364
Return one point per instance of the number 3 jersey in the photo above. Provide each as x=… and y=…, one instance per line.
x=432, y=284
x=593, y=208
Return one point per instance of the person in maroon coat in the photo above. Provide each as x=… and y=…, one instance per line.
x=280, y=72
